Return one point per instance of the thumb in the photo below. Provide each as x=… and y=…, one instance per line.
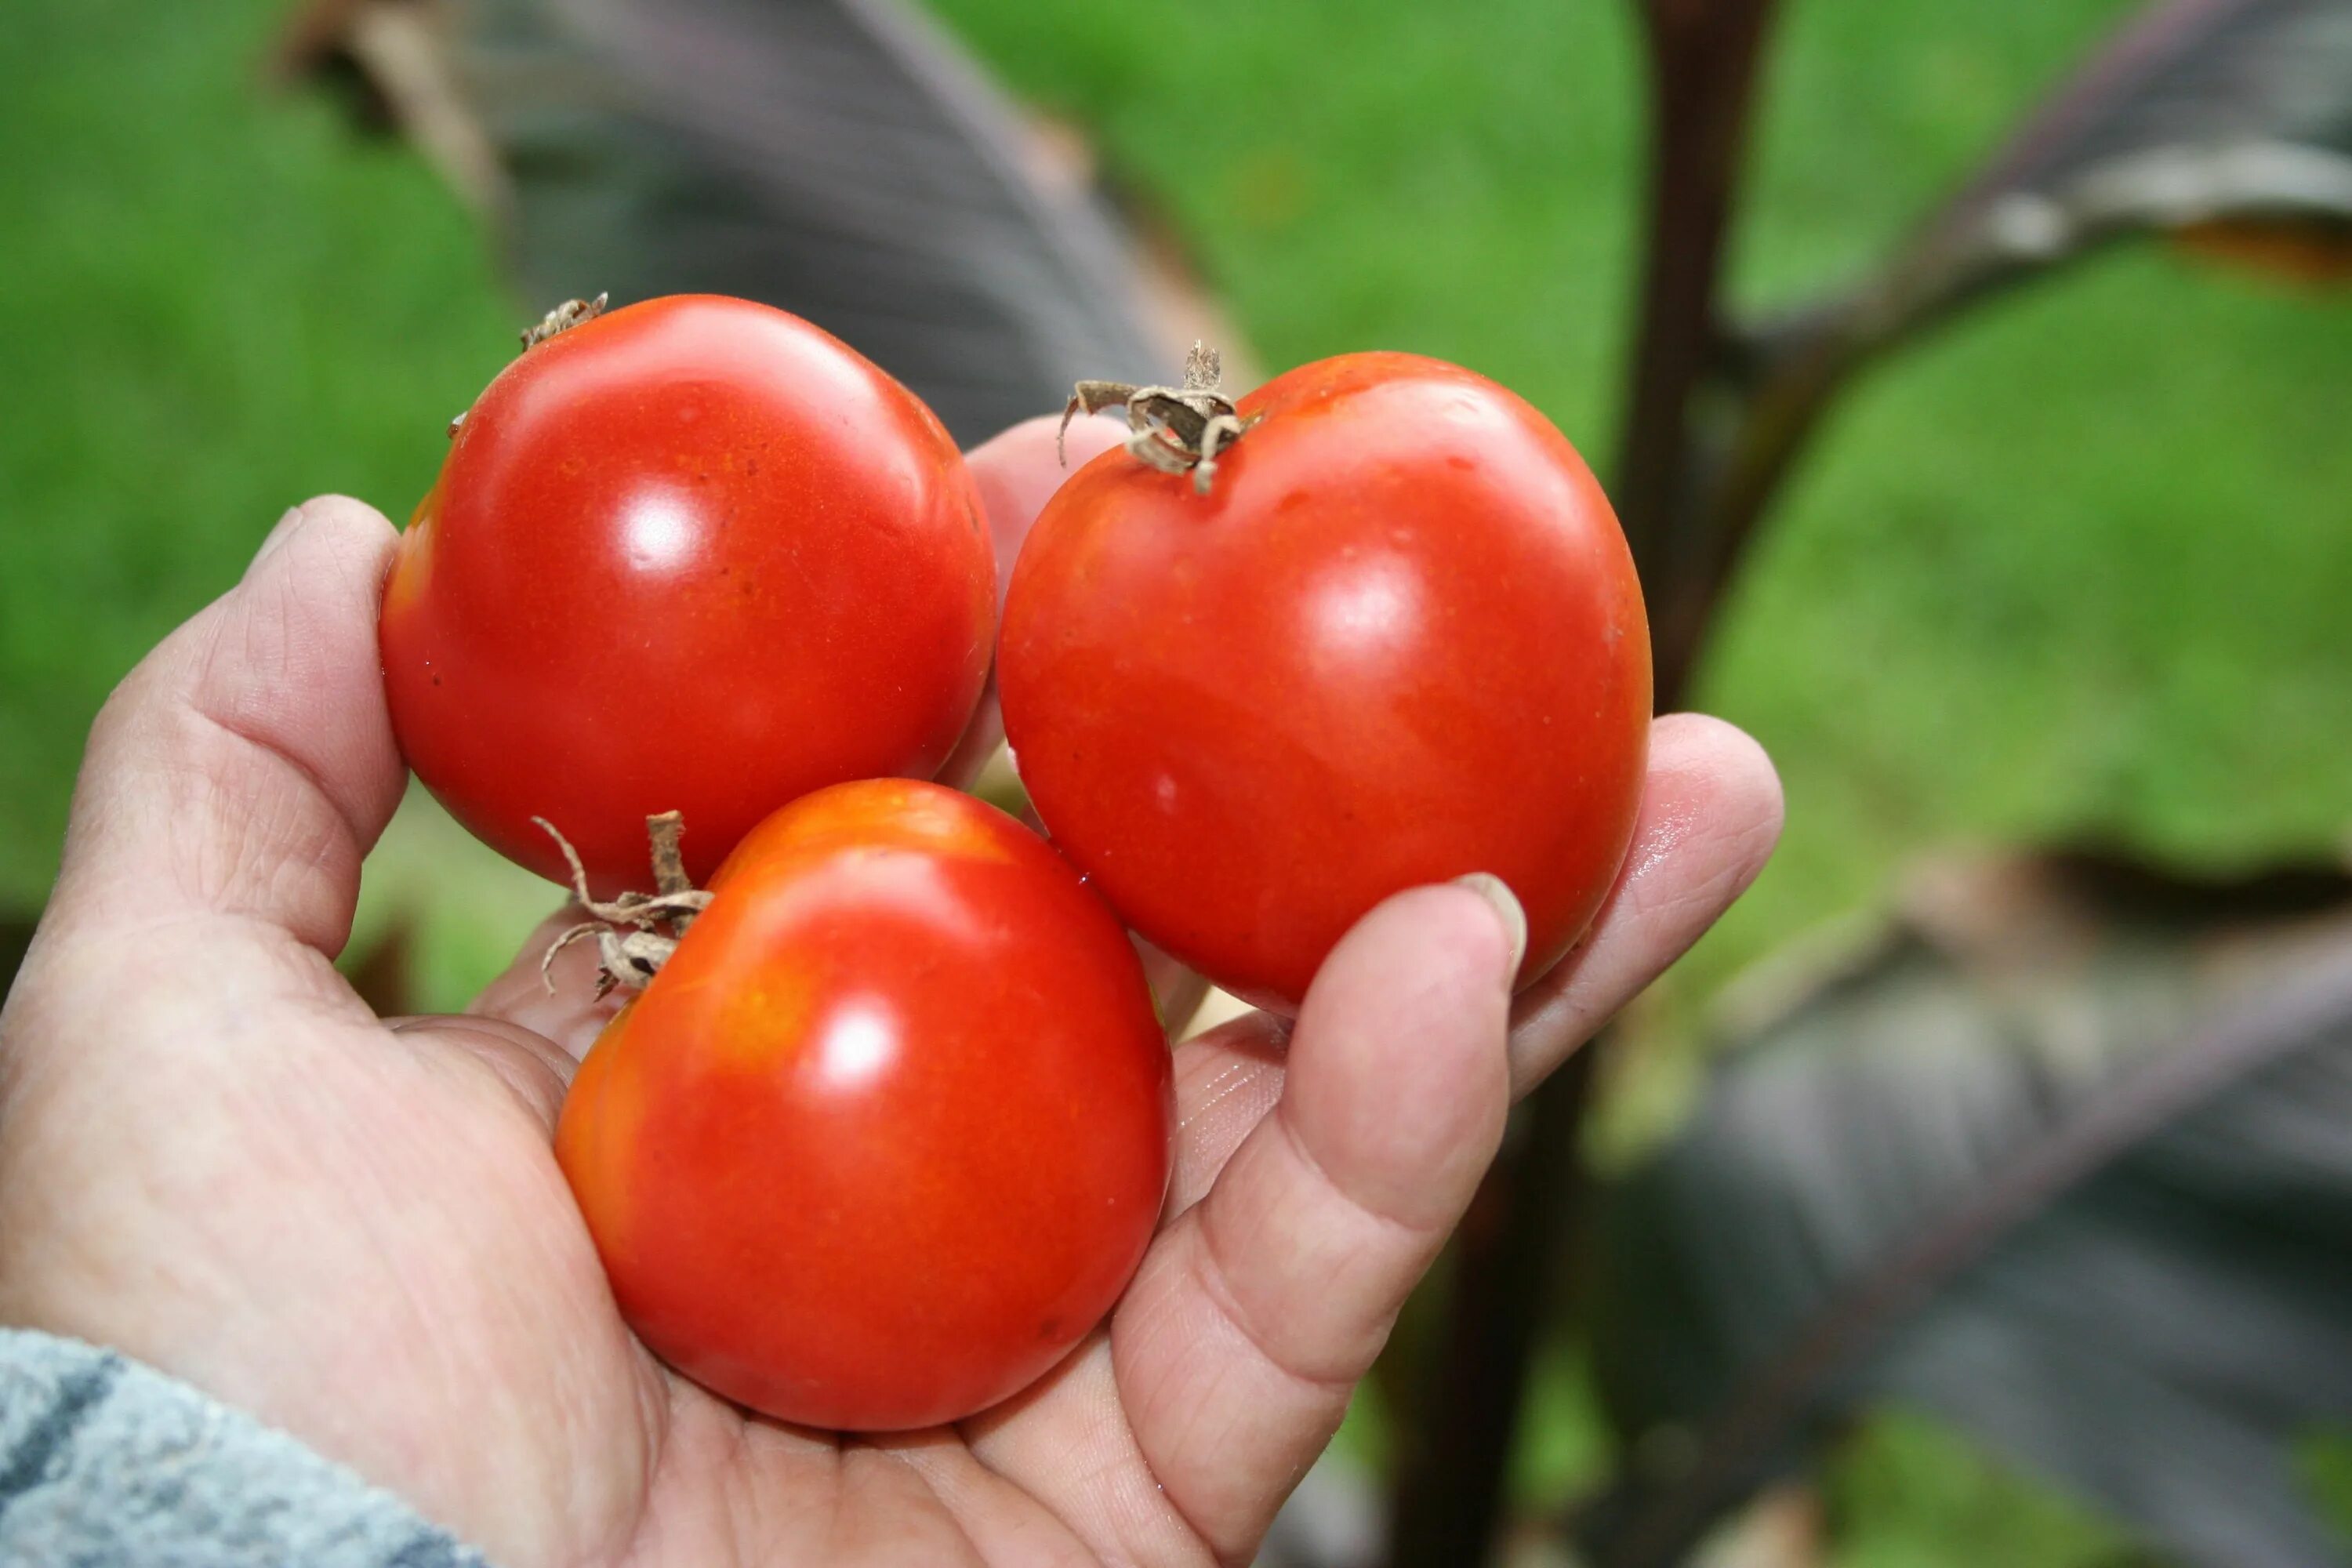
x=245, y=766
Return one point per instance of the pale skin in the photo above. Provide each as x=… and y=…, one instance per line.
x=216, y=1159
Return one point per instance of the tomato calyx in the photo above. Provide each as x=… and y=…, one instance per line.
x=631, y=958
x=1175, y=429
x=563, y=319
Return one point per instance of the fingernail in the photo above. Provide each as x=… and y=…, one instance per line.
x=1505, y=905
x=276, y=536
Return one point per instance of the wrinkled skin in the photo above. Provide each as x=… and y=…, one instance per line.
x=214, y=1157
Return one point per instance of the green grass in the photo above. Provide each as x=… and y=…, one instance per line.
x=2078, y=567
x=2323, y=1461
x=213, y=302
x=1910, y=1493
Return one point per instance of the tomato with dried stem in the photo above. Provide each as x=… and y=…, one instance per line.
x=1372, y=626
x=889, y=1130
x=695, y=554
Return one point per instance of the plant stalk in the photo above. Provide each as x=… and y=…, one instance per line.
x=1453, y=1459
x=1703, y=60
x=1449, y=1490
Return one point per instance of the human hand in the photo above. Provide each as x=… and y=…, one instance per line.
x=214, y=1158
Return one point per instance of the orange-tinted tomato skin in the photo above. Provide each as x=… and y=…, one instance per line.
x=1399, y=639
x=693, y=555
x=889, y=1133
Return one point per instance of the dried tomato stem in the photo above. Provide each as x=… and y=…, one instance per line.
x=563, y=319
x=670, y=864
x=633, y=957
x=1175, y=429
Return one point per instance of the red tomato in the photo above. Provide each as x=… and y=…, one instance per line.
x=889, y=1133
x=1400, y=638
x=693, y=555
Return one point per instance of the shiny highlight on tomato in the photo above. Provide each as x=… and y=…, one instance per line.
x=1400, y=638
x=889, y=1133
x=693, y=555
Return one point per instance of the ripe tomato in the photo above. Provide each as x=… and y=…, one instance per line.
x=693, y=555
x=1400, y=638
x=889, y=1132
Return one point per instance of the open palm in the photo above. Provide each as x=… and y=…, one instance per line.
x=215, y=1157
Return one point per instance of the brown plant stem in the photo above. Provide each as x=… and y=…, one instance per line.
x=1704, y=58
x=1449, y=1487
x=1454, y=1457
x=671, y=879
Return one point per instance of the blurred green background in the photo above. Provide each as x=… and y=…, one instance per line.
x=2077, y=570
